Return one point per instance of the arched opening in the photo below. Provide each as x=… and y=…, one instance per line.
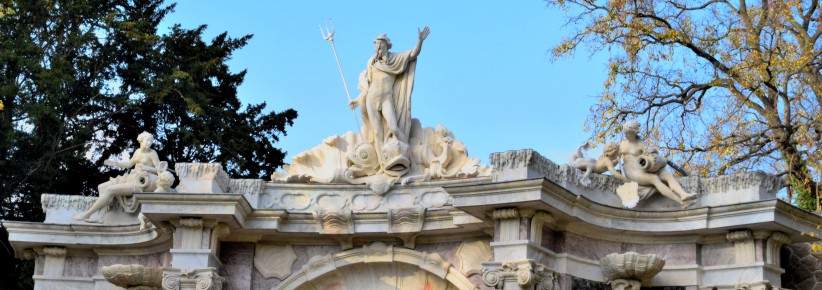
x=378, y=276
x=377, y=267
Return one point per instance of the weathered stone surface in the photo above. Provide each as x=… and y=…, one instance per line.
x=60, y=209
x=472, y=254
x=238, y=263
x=274, y=261
x=80, y=266
x=201, y=178
x=250, y=188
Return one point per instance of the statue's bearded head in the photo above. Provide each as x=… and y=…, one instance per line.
x=381, y=45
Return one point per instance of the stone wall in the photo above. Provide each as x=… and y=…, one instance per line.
x=803, y=268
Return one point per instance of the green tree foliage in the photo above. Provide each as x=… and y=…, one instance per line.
x=724, y=85
x=80, y=79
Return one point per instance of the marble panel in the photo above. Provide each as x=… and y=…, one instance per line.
x=717, y=254
x=673, y=254
x=590, y=248
x=80, y=266
x=553, y=240
x=237, y=261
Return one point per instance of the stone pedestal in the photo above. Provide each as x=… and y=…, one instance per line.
x=202, y=178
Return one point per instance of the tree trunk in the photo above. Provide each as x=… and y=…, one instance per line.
x=800, y=180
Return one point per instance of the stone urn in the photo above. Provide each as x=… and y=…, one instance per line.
x=134, y=277
x=628, y=271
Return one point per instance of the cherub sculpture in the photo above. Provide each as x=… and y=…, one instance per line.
x=607, y=161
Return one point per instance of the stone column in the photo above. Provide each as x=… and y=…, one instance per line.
x=756, y=254
x=744, y=247
x=194, y=261
x=515, y=232
x=772, y=245
x=54, y=261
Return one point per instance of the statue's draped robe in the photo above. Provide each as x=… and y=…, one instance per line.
x=402, y=65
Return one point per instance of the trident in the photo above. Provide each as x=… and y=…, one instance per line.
x=327, y=32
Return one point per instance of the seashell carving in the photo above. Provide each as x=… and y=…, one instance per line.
x=631, y=266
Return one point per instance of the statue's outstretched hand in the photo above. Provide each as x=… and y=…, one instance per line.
x=354, y=103
x=424, y=32
x=111, y=163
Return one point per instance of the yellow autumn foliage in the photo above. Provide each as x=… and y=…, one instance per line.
x=726, y=85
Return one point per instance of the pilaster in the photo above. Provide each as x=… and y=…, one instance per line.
x=513, y=267
x=744, y=247
x=194, y=261
x=54, y=261
x=196, y=243
x=755, y=262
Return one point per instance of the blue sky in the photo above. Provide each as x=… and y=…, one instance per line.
x=485, y=71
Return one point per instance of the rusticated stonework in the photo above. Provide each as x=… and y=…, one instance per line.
x=803, y=267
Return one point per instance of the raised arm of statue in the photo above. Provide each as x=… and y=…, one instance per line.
x=125, y=164
x=423, y=34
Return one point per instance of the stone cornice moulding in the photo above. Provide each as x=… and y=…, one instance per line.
x=271, y=185
x=26, y=235
x=134, y=251
x=565, y=206
x=371, y=222
x=231, y=209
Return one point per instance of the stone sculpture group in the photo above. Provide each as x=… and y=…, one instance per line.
x=643, y=169
x=429, y=216
x=391, y=145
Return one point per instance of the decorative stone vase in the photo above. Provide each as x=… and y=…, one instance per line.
x=630, y=270
x=134, y=277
